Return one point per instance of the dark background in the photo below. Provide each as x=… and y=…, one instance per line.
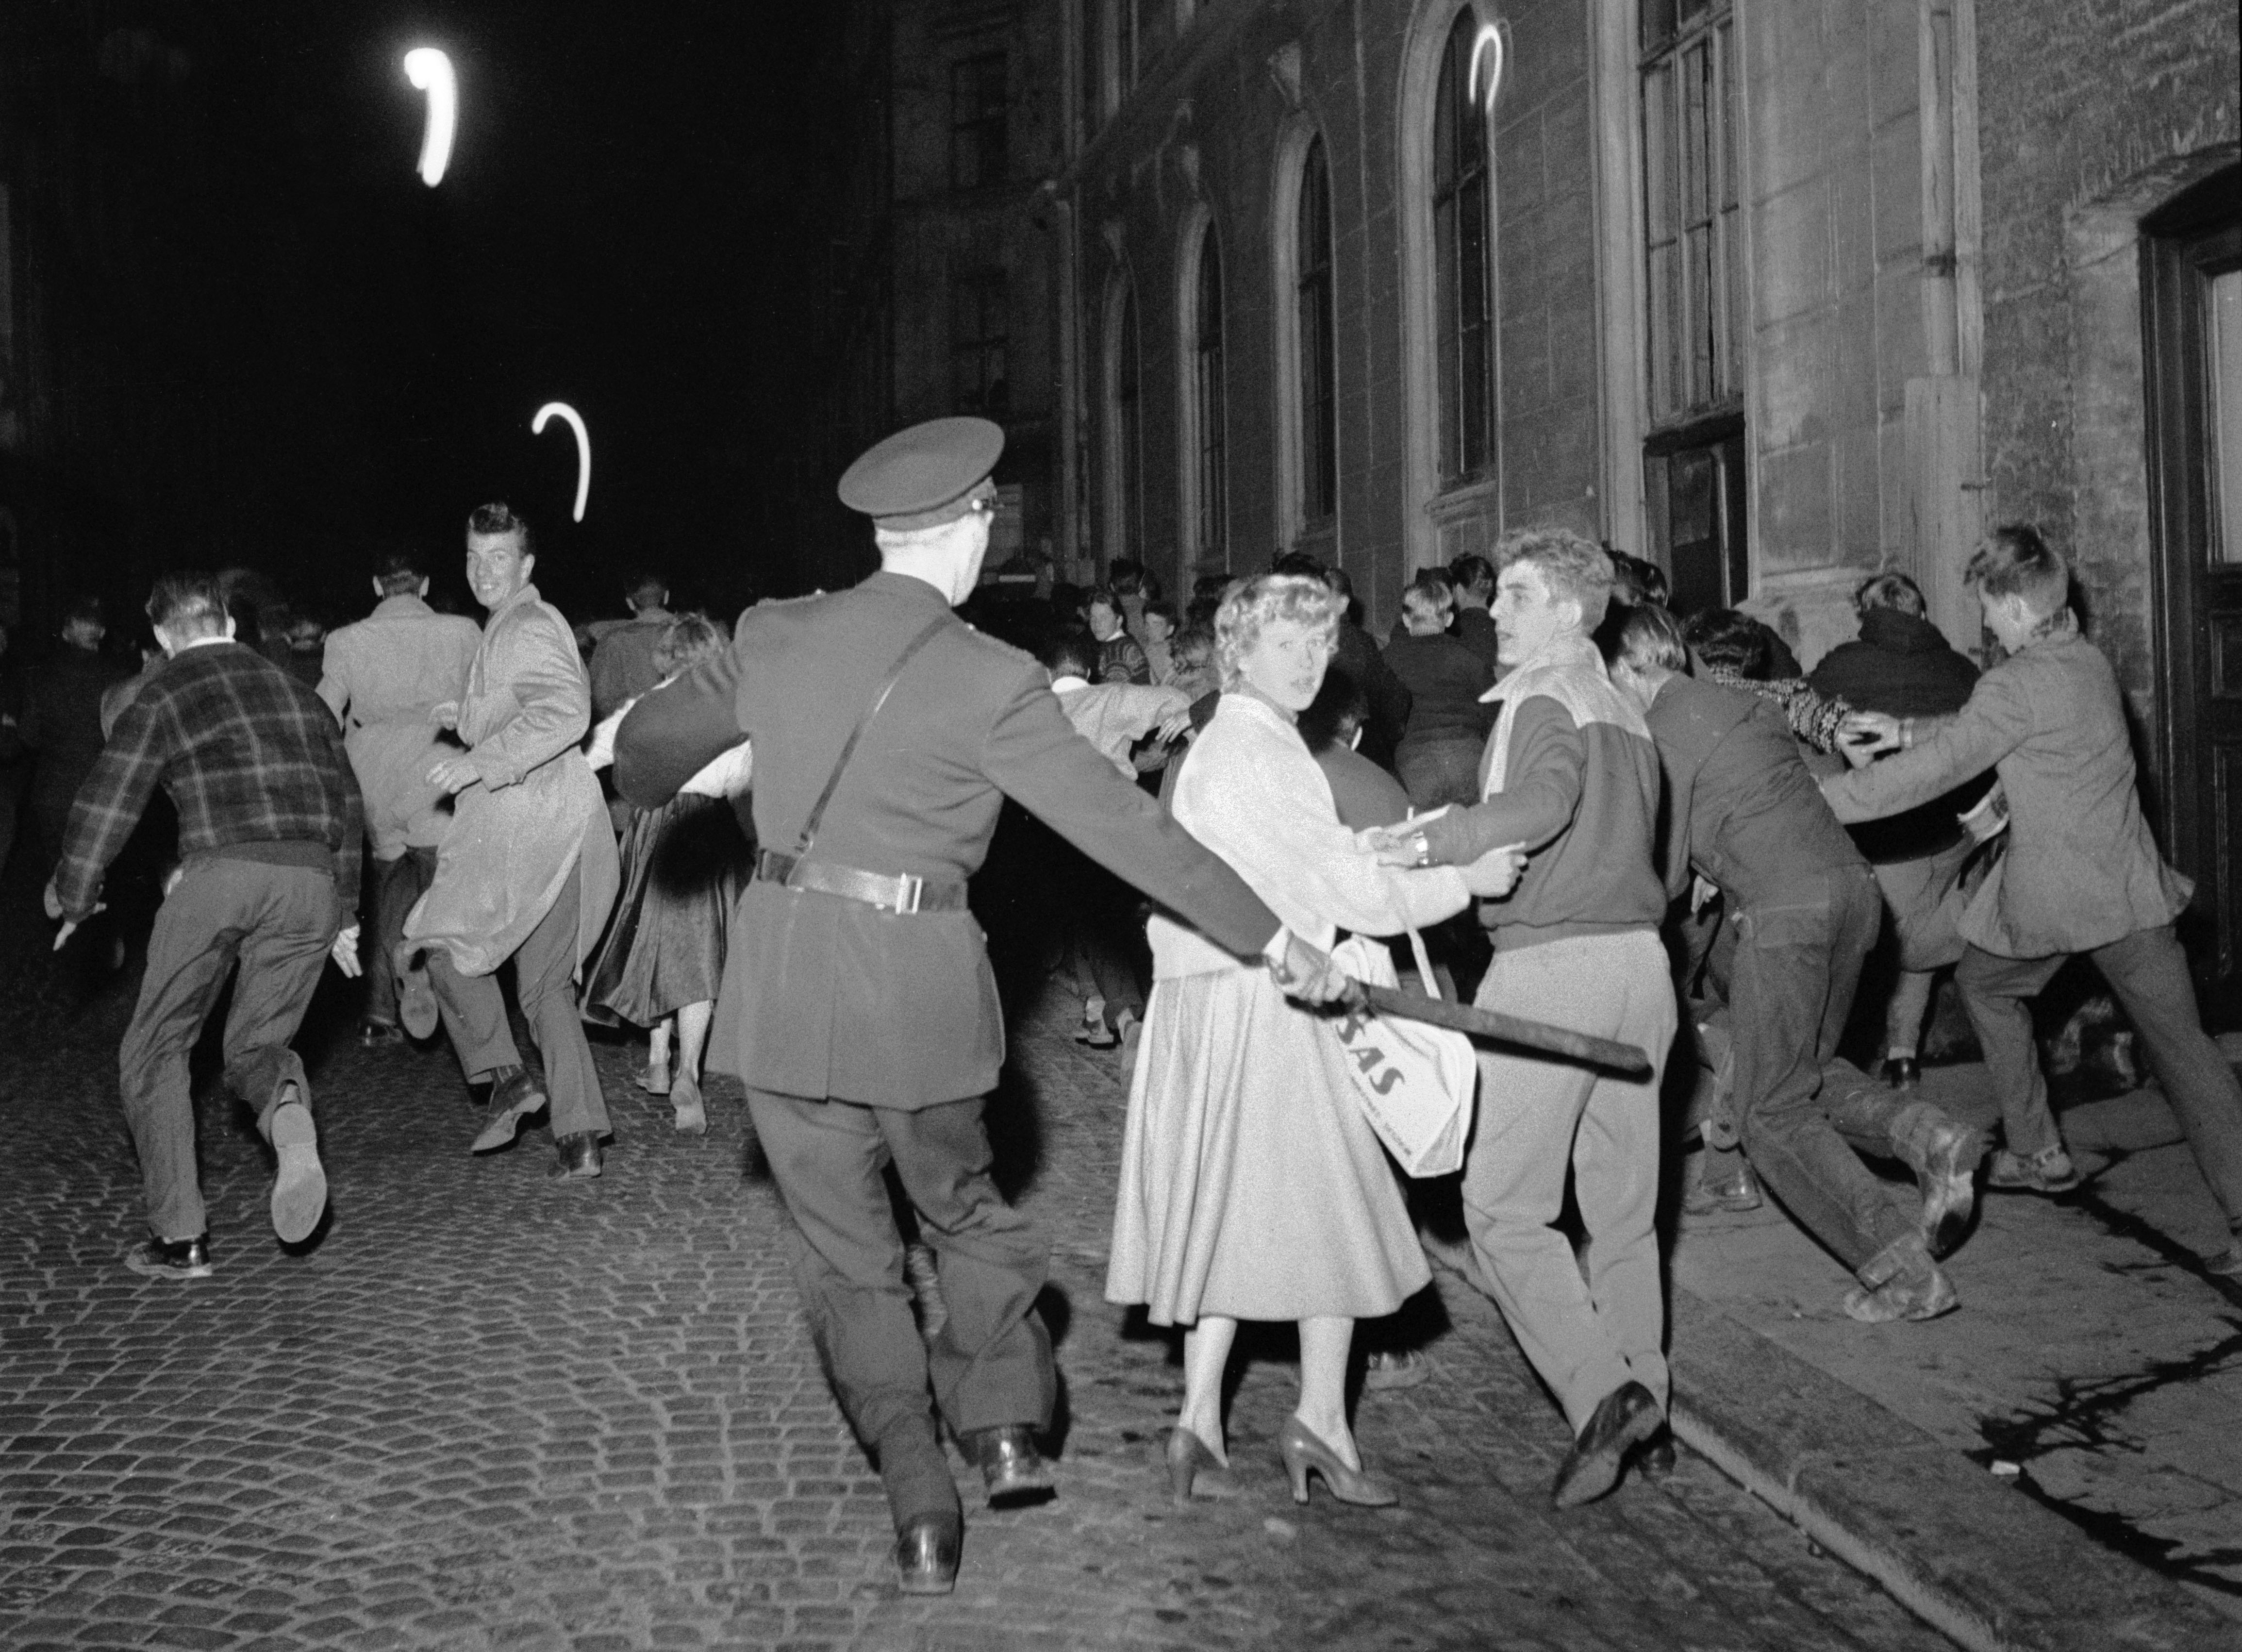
x=253, y=336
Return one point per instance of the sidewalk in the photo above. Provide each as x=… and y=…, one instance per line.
x=2056, y=1465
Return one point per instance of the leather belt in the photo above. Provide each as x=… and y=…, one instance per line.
x=902, y=893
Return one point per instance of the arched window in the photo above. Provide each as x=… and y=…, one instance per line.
x=1125, y=424
x=1206, y=419
x=1463, y=307
x=1318, y=349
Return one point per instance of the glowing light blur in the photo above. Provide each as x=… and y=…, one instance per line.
x=574, y=420
x=1488, y=35
x=431, y=70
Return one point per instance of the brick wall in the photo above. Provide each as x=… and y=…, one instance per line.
x=2091, y=113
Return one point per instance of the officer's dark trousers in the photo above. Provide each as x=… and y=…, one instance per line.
x=991, y=1363
x=277, y=921
x=1798, y=959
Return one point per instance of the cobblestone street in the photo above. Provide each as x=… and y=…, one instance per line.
x=479, y=1410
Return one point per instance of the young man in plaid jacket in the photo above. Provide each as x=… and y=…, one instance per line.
x=269, y=825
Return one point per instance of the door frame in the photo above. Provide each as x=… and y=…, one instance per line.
x=2198, y=234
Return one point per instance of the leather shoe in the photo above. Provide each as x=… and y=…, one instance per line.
x=514, y=1095
x=1011, y=1467
x=1626, y=1418
x=926, y=1555
x=163, y=1259
x=580, y=1157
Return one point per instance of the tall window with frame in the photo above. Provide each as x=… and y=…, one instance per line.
x=978, y=329
x=1208, y=414
x=1463, y=261
x=977, y=126
x=1694, y=459
x=1318, y=365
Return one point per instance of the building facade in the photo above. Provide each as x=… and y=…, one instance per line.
x=1775, y=293
x=946, y=255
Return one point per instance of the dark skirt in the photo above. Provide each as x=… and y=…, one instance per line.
x=684, y=864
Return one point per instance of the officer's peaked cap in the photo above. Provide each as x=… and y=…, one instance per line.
x=926, y=475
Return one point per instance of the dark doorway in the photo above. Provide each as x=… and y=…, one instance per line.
x=2192, y=298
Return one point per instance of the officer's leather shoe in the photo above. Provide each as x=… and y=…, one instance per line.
x=580, y=1157
x=1626, y=1418
x=1011, y=1467
x=514, y=1095
x=926, y=1555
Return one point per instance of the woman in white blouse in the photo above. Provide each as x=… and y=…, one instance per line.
x=1252, y=1186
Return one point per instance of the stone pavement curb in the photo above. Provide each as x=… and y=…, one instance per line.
x=1975, y=1559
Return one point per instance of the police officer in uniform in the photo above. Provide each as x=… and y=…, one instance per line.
x=857, y=1003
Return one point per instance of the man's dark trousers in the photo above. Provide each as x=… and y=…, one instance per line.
x=278, y=922
x=991, y=1364
x=397, y=885
x=2147, y=970
x=544, y=970
x=1797, y=961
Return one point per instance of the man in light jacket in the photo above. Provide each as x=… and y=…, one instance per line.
x=528, y=868
x=2081, y=873
x=382, y=678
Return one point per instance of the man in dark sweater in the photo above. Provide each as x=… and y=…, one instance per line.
x=1571, y=777
x=269, y=826
x=1900, y=665
x=1437, y=758
x=1472, y=578
x=1744, y=813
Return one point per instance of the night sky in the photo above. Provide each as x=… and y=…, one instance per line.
x=636, y=221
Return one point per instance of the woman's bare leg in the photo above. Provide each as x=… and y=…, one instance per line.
x=1206, y=1355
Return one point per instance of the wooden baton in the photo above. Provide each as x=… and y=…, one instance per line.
x=1538, y=1036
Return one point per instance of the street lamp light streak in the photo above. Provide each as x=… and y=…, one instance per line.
x=431, y=70
x=1488, y=35
x=574, y=420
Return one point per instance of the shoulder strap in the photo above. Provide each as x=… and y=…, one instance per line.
x=849, y=750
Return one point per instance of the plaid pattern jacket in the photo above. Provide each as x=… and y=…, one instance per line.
x=248, y=754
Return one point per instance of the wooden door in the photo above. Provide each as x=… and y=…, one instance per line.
x=2192, y=291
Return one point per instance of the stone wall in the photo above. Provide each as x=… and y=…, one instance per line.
x=2092, y=112
x=1835, y=227
x=1206, y=128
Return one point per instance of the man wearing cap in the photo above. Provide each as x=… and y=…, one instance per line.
x=859, y=1008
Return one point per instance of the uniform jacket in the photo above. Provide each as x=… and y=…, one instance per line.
x=2080, y=870
x=1569, y=774
x=251, y=759
x=827, y=997
x=382, y=677
x=536, y=813
x=1742, y=808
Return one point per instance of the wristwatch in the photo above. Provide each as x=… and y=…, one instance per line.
x=1423, y=846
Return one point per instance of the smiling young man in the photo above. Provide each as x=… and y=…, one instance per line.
x=2081, y=873
x=528, y=868
x=1571, y=777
